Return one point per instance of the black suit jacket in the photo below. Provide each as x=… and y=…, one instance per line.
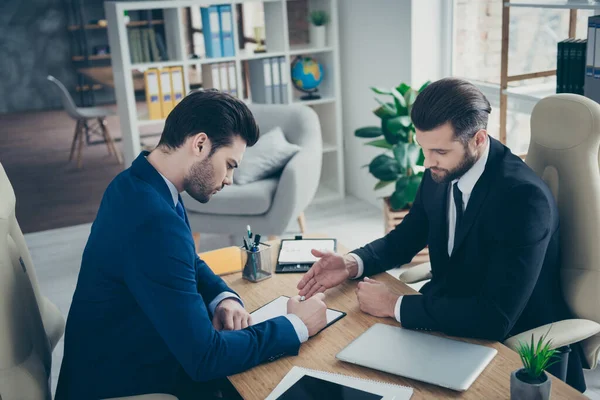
x=503, y=275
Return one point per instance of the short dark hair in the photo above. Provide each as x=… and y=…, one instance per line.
x=219, y=115
x=452, y=100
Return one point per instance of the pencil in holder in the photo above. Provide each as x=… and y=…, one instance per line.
x=257, y=264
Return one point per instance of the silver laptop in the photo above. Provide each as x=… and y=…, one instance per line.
x=444, y=362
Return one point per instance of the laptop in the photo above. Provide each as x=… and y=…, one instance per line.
x=295, y=254
x=416, y=355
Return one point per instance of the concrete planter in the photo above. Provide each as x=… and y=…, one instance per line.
x=520, y=390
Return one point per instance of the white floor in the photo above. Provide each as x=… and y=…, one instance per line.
x=57, y=255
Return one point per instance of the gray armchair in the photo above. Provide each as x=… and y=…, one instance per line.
x=268, y=205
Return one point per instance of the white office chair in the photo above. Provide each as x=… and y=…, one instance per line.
x=82, y=116
x=30, y=325
x=564, y=151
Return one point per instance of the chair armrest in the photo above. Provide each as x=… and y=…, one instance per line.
x=416, y=274
x=562, y=333
x=154, y=396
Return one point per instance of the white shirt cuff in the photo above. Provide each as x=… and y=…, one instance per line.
x=299, y=327
x=397, y=309
x=222, y=296
x=361, y=265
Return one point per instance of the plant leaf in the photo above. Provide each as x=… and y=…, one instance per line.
x=380, y=90
x=398, y=125
x=403, y=88
x=400, y=102
x=382, y=184
x=424, y=86
x=410, y=97
x=384, y=168
x=421, y=160
x=400, y=154
x=410, y=192
x=386, y=110
x=382, y=143
x=368, y=132
x=413, y=152
x=397, y=200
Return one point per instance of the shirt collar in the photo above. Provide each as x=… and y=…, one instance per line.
x=467, y=182
x=172, y=189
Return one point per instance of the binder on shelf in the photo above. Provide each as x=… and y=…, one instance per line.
x=579, y=78
x=559, y=67
x=232, y=79
x=145, y=45
x=152, y=93
x=226, y=30
x=589, y=64
x=166, y=99
x=276, y=77
x=283, y=79
x=224, y=75
x=211, y=31
x=210, y=76
x=177, y=84
x=573, y=45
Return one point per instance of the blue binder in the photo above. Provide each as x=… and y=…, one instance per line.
x=226, y=20
x=212, y=32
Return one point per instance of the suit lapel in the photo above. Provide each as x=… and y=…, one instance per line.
x=480, y=192
x=184, y=212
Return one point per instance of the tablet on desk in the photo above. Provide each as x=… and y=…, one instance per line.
x=278, y=307
x=295, y=254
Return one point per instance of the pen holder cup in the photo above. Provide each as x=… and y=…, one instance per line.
x=257, y=264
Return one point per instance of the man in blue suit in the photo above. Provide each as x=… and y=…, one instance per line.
x=148, y=315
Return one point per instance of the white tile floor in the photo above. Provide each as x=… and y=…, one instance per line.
x=57, y=255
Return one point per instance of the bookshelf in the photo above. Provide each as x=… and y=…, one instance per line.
x=531, y=94
x=277, y=39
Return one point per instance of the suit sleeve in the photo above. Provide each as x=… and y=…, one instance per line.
x=400, y=245
x=161, y=276
x=209, y=285
x=521, y=232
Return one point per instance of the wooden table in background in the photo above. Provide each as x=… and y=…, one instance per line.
x=319, y=352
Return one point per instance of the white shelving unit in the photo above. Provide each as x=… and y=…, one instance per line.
x=564, y=4
x=328, y=107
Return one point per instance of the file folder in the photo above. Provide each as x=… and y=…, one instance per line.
x=226, y=19
x=276, y=86
x=211, y=30
x=166, y=99
x=152, y=93
x=283, y=79
x=224, y=75
x=177, y=84
x=232, y=79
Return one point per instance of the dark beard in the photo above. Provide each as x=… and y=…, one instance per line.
x=198, y=181
x=466, y=163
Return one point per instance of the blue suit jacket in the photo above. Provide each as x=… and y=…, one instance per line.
x=139, y=321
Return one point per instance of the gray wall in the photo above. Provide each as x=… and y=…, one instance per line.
x=33, y=44
x=375, y=50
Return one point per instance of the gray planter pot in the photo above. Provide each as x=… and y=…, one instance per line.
x=520, y=390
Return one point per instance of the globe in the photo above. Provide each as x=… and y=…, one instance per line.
x=307, y=75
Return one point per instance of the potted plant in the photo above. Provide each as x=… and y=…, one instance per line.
x=402, y=162
x=531, y=381
x=318, y=19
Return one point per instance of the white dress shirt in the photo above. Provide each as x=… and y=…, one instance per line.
x=299, y=326
x=466, y=184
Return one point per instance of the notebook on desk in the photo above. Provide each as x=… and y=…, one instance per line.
x=306, y=384
x=417, y=355
x=295, y=254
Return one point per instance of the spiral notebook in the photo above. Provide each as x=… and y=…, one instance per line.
x=308, y=384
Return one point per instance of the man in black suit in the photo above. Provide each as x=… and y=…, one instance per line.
x=491, y=225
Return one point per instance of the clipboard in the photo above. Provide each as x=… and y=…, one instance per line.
x=333, y=315
x=299, y=259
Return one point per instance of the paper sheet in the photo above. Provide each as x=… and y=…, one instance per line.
x=298, y=251
x=278, y=307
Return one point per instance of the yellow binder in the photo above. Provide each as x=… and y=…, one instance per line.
x=166, y=98
x=177, y=84
x=223, y=261
x=152, y=93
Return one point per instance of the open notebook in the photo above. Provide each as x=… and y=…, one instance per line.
x=308, y=384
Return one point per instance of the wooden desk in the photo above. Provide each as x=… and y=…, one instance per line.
x=319, y=352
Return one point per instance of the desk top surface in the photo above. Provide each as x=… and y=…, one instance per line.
x=319, y=352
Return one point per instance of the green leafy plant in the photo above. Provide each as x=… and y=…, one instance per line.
x=403, y=154
x=536, y=359
x=319, y=18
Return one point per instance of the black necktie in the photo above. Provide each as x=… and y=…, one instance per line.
x=458, y=203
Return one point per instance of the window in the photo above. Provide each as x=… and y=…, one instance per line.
x=534, y=34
